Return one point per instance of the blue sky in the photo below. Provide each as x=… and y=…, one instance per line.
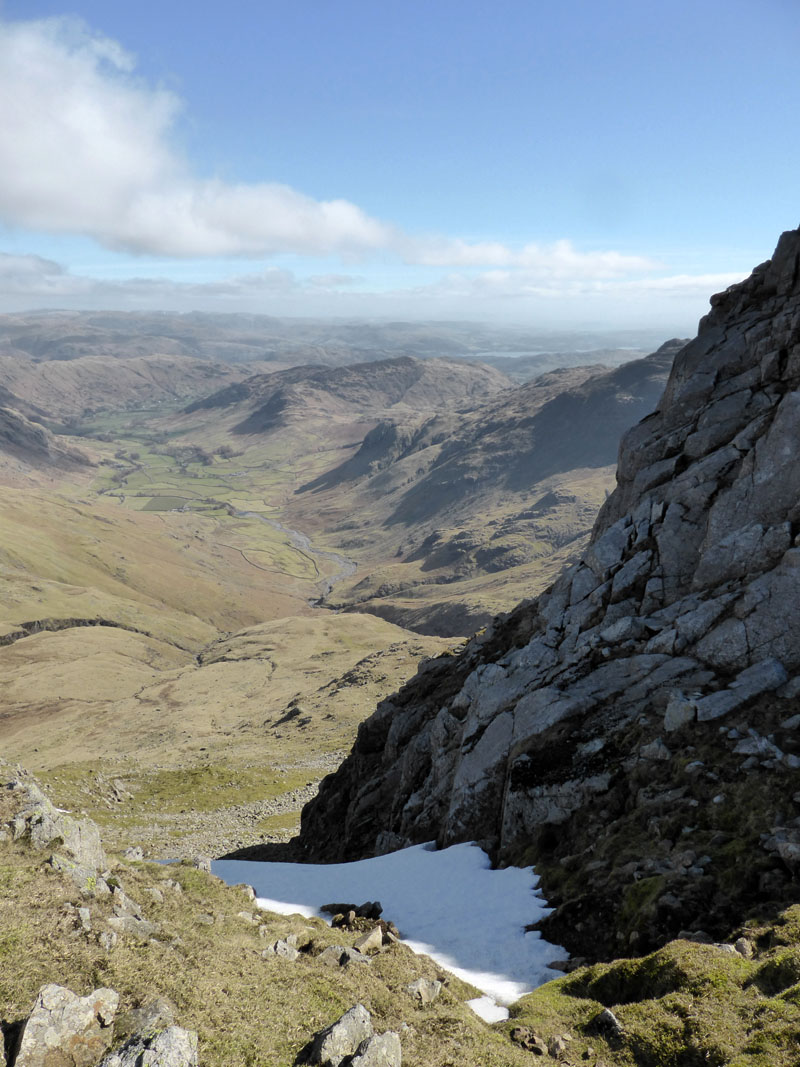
x=587, y=163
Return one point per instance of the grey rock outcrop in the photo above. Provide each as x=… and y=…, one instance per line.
x=380, y=1050
x=173, y=1047
x=67, y=1030
x=425, y=990
x=282, y=948
x=341, y=956
x=76, y=842
x=352, y=1042
x=147, y=1020
x=540, y=740
x=331, y=1046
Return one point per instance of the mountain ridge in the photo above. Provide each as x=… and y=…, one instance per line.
x=269, y=399
x=511, y=482
x=562, y=735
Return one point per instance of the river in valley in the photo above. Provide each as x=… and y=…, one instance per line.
x=345, y=567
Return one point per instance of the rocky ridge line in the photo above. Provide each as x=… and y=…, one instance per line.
x=632, y=732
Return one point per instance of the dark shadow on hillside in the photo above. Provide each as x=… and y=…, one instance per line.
x=270, y=852
x=265, y=418
x=350, y=471
x=382, y=445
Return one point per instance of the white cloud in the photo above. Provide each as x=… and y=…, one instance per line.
x=85, y=147
x=682, y=284
x=30, y=282
x=675, y=302
x=544, y=284
x=334, y=281
x=559, y=260
x=89, y=148
x=19, y=272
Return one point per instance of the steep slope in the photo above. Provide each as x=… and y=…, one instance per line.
x=27, y=447
x=633, y=732
x=25, y=444
x=62, y=390
x=453, y=441
x=268, y=401
x=509, y=487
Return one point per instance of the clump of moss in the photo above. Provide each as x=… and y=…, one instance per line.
x=686, y=1005
x=779, y=973
x=681, y=966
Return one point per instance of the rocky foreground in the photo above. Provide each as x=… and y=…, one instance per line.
x=108, y=961
x=635, y=731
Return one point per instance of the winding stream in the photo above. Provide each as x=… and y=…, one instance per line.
x=345, y=567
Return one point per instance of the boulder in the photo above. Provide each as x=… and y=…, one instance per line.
x=67, y=1030
x=79, y=849
x=680, y=711
x=380, y=1050
x=142, y=929
x=425, y=990
x=147, y=1020
x=285, y=949
x=341, y=956
x=369, y=942
x=606, y=1024
x=173, y=1047
x=331, y=1046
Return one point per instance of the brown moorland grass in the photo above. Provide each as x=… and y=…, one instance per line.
x=207, y=959
x=266, y=712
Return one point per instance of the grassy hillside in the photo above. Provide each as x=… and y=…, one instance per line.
x=451, y=516
x=158, y=608
x=689, y=1004
x=205, y=954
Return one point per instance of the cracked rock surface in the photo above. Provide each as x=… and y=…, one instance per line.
x=596, y=732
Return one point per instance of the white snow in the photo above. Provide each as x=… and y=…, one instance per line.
x=448, y=904
x=488, y=1009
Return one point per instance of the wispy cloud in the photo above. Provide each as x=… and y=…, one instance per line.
x=523, y=284
x=31, y=282
x=558, y=260
x=28, y=282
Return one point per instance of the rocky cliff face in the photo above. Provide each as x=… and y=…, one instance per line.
x=632, y=732
x=33, y=445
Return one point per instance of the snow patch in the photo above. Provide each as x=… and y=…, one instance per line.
x=488, y=1009
x=448, y=904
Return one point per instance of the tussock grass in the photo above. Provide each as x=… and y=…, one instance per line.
x=207, y=960
x=686, y=1005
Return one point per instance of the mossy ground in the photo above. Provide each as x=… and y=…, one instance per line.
x=686, y=1005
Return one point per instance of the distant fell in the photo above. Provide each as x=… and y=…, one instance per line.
x=466, y=496
x=269, y=400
